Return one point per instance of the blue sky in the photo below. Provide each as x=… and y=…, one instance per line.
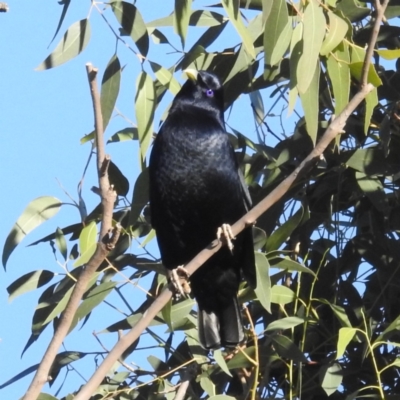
x=43, y=117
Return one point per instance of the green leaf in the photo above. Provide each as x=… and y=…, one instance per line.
x=61, y=243
x=123, y=135
x=339, y=73
x=280, y=235
x=281, y=295
x=28, y=282
x=176, y=314
x=140, y=196
x=60, y=307
x=331, y=377
x=287, y=349
x=263, y=288
x=166, y=314
x=87, y=243
x=91, y=300
x=392, y=329
x=73, y=43
x=45, y=396
x=145, y=102
x=345, y=337
x=198, y=18
x=296, y=48
x=374, y=190
x=284, y=323
x=132, y=23
x=165, y=77
x=337, y=31
x=183, y=9
x=207, y=385
x=219, y=359
x=37, y=212
x=313, y=35
x=291, y=265
x=232, y=9
x=339, y=312
x=310, y=103
x=389, y=54
x=257, y=106
x=277, y=32
x=371, y=101
x=110, y=89
x=356, y=72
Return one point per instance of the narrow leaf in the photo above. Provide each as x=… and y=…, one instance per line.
x=287, y=349
x=87, y=243
x=61, y=243
x=345, y=337
x=37, y=212
x=277, y=32
x=28, y=282
x=181, y=18
x=281, y=295
x=339, y=74
x=123, y=135
x=110, y=88
x=165, y=77
x=232, y=9
x=263, y=288
x=166, y=314
x=371, y=101
x=91, y=300
x=310, y=103
x=313, y=35
x=73, y=43
x=281, y=235
x=337, y=31
x=60, y=307
x=219, y=358
x=132, y=23
x=144, y=109
x=140, y=196
x=331, y=377
x=389, y=54
x=284, y=323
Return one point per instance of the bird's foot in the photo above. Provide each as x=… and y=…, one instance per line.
x=224, y=233
x=179, y=279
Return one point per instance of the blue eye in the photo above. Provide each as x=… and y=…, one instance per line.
x=210, y=93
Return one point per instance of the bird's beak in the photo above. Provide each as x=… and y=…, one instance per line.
x=191, y=74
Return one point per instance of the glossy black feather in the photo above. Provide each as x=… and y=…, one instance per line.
x=195, y=187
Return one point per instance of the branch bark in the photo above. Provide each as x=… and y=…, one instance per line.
x=108, y=196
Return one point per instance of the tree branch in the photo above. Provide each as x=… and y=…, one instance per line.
x=108, y=196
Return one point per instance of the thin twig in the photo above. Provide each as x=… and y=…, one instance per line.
x=380, y=11
x=108, y=196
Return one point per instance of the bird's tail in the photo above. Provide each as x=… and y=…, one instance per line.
x=221, y=326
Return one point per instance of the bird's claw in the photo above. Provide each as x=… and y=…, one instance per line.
x=225, y=234
x=179, y=279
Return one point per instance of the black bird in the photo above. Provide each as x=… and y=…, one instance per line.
x=196, y=187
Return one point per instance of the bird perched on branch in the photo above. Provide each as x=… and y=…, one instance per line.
x=196, y=189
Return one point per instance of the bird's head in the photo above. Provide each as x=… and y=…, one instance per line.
x=202, y=89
